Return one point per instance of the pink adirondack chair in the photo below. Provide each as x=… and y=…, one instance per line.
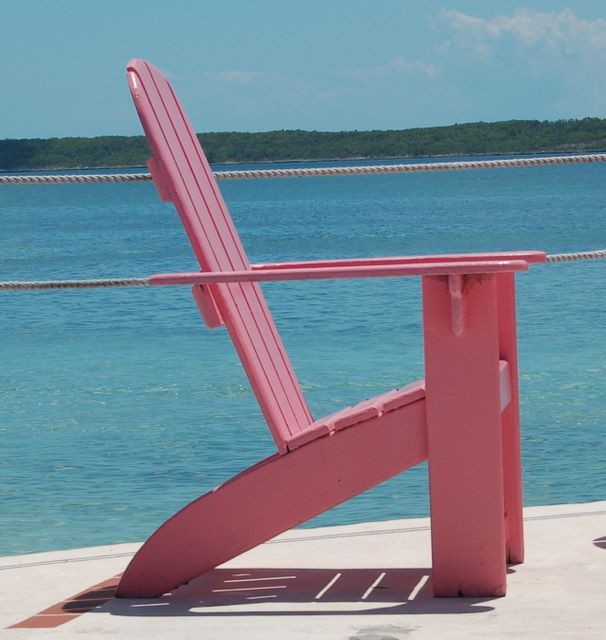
x=463, y=417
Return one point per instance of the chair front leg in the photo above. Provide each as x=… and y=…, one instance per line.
x=465, y=448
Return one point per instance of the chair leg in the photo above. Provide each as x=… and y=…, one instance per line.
x=512, y=467
x=464, y=443
x=274, y=495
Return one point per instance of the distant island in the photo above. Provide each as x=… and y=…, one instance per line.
x=478, y=138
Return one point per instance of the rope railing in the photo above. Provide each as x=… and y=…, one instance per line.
x=76, y=179
x=598, y=254
x=288, y=173
x=250, y=174
x=108, y=283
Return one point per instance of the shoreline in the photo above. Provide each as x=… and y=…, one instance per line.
x=298, y=145
x=420, y=158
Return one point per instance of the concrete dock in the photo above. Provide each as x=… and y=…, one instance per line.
x=369, y=581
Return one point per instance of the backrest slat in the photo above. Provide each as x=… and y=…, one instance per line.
x=188, y=178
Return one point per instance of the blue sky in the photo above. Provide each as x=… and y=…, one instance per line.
x=258, y=65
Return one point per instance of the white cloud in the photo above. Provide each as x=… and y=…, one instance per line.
x=401, y=65
x=236, y=77
x=560, y=33
x=397, y=66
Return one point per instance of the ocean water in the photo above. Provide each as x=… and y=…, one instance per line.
x=119, y=406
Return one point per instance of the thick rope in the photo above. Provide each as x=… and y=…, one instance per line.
x=33, y=285
x=286, y=173
x=322, y=171
x=71, y=179
x=73, y=284
x=599, y=254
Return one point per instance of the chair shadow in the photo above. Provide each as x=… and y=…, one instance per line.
x=288, y=591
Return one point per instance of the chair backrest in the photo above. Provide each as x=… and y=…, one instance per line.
x=182, y=175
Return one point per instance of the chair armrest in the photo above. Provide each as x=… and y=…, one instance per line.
x=340, y=272
x=528, y=256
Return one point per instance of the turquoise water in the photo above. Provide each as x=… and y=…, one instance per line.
x=119, y=406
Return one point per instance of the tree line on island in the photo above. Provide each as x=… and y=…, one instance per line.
x=479, y=138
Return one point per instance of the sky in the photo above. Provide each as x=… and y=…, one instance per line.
x=329, y=65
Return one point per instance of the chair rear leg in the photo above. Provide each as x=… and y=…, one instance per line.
x=512, y=466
